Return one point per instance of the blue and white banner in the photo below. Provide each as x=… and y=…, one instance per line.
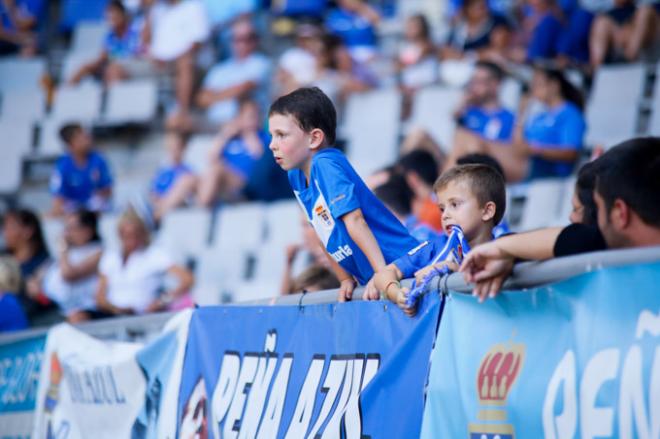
x=351, y=371
x=580, y=358
x=20, y=363
x=90, y=388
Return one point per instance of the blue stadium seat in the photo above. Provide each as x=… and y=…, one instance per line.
x=75, y=11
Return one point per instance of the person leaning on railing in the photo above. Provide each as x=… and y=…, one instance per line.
x=626, y=196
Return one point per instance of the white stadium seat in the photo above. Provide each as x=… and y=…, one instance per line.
x=432, y=110
x=82, y=102
x=28, y=104
x=239, y=227
x=197, y=152
x=185, y=232
x=542, y=203
x=88, y=37
x=372, y=129
x=20, y=73
x=282, y=223
x=614, y=104
x=131, y=101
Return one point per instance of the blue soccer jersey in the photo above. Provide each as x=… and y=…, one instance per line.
x=78, y=184
x=166, y=177
x=334, y=190
x=491, y=125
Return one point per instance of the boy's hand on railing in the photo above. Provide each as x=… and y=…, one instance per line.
x=370, y=291
x=346, y=288
x=401, y=302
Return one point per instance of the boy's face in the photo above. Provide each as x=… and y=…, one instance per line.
x=291, y=146
x=81, y=142
x=460, y=207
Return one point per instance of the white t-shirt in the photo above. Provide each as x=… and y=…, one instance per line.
x=78, y=295
x=300, y=64
x=255, y=68
x=177, y=27
x=136, y=283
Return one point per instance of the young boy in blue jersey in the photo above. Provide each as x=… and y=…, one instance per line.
x=81, y=178
x=357, y=230
x=470, y=196
x=175, y=182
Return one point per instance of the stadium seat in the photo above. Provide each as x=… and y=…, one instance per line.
x=28, y=104
x=270, y=261
x=542, y=203
x=21, y=74
x=510, y=92
x=566, y=203
x=254, y=290
x=73, y=12
x=133, y=101
x=50, y=145
x=216, y=273
x=185, y=232
x=16, y=134
x=372, y=129
x=239, y=227
x=53, y=229
x=107, y=227
x=81, y=103
x=88, y=37
x=197, y=152
x=432, y=110
x=73, y=62
x=282, y=223
x=613, y=106
x=654, y=122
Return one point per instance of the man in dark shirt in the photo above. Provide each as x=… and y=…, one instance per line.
x=626, y=195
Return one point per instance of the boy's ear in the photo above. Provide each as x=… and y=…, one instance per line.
x=488, y=211
x=317, y=138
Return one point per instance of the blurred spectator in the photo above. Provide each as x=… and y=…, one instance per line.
x=12, y=317
x=25, y=243
x=573, y=44
x=416, y=61
x=175, y=182
x=237, y=148
x=584, y=207
x=477, y=32
x=397, y=196
x=353, y=21
x=338, y=74
x=245, y=74
x=623, y=32
x=18, y=26
x=222, y=12
x=131, y=277
x=175, y=30
x=297, y=65
x=300, y=256
x=72, y=280
x=315, y=278
x=550, y=140
x=484, y=124
x=81, y=178
x=122, y=47
x=541, y=30
x=421, y=170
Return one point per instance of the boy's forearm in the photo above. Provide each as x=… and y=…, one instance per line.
x=361, y=234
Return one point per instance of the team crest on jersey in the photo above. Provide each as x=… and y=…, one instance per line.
x=321, y=212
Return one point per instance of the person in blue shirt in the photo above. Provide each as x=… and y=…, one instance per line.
x=353, y=21
x=19, y=26
x=397, y=196
x=81, y=178
x=12, y=317
x=123, y=44
x=175, y=182
x=485, y=126
x=237, y=149
x=470, y=196
x=550, y=140
x=356, y=229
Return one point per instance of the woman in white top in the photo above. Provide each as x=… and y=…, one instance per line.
x=131, y=277
x=72, y=281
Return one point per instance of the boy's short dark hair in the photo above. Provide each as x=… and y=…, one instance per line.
x=118, y=5
x=422, y=163
x=493, y=69
x=311, y=108
x=630, y=171
x=485, y=182
x=396, y=194
x=67, y=131
x=481, y=159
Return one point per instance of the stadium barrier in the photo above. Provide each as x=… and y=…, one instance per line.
x=572, y=357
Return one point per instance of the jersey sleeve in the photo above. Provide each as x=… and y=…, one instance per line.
x=105, y=177
x=337, y=187
x=415, y=259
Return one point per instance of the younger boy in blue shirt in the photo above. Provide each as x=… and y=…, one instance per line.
x=470, y=196
x=357, y=230
x=81, y=178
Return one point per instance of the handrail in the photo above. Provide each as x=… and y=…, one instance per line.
x=525, y=275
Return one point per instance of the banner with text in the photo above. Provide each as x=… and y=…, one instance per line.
x=580, y=358
x=20, y=363
x=351, y=371
x=108, y=389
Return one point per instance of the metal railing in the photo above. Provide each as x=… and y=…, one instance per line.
x=525, y=275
